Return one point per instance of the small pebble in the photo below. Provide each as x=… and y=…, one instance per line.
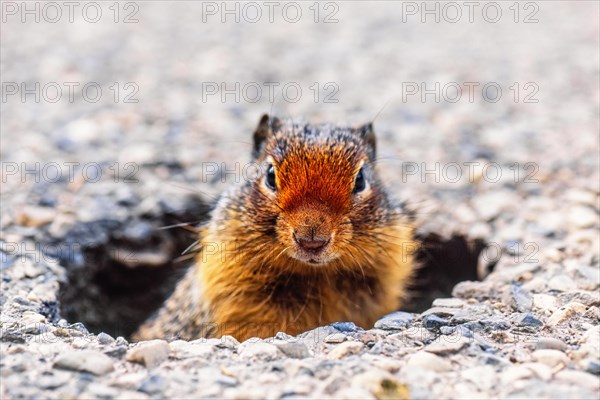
x=441, y=311
x=566, y=312
x=495, y=324
x=450, y=302
x=562, y=283
x=580, y=217
x=426, y=360
x=105, y=338
x=529, y=320
x=335, y=338
x=150, y=353
x=522, y=298
x=447, y=330
x=380, y=384
x=258, y=350
x=345, y=326
x=293, y=349
x=550, y=343
x=578, y=378
x=154, y=384
x=550, y=357
x=34, y=216
x=394, y=321
x=345, y=349
x=544, y=301
x=447, y=345
x=86, y=361
x=433, y=322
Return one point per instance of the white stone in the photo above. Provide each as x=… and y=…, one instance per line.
x=542, y=371
x=550, y=357
x=150, y=353
x=545, y=302
x=513, y=374
x=423, y=359
x=484, y=377
x=258, y=350
x=562, y=283
x=184, y=349
x=450, y=302
x=335, y=338
x=578, y=378
x=580, y=217
x=86, y=360
x=345, y=349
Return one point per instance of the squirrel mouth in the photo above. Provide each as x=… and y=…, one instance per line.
x=322, y=256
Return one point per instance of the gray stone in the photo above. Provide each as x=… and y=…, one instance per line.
x=562, y=283
x=345, y=326
x=495, y=324
x=442, y=312
x=53, y=380
x=433, y=322
x=447, y=330
x=394, y=321
x=522, y=298
x=591, y=366
x=104, y=338
x=293, y=349
x=528, y=320
x=447, y=345
x=154, y=384
x=120, y=341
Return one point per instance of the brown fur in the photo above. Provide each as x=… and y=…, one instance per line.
x=250, y=278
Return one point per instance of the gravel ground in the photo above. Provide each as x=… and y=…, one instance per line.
x=86, y=184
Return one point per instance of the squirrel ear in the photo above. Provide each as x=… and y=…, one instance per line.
x=266, y=126
x=368, y=135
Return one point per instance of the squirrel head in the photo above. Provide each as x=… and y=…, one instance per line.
x=318, y=189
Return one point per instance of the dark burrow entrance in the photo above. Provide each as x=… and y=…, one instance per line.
x=119, y=281
x=116, y=282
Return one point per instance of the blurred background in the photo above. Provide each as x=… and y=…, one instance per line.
x=121, y=118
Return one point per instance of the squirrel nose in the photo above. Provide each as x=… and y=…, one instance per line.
x=312, y=245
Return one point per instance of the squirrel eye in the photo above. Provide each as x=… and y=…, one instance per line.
x=359, y=184
x=270, y=179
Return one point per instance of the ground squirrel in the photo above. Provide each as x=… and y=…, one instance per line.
x=312, y=240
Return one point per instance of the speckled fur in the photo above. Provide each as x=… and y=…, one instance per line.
x=246, y=281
